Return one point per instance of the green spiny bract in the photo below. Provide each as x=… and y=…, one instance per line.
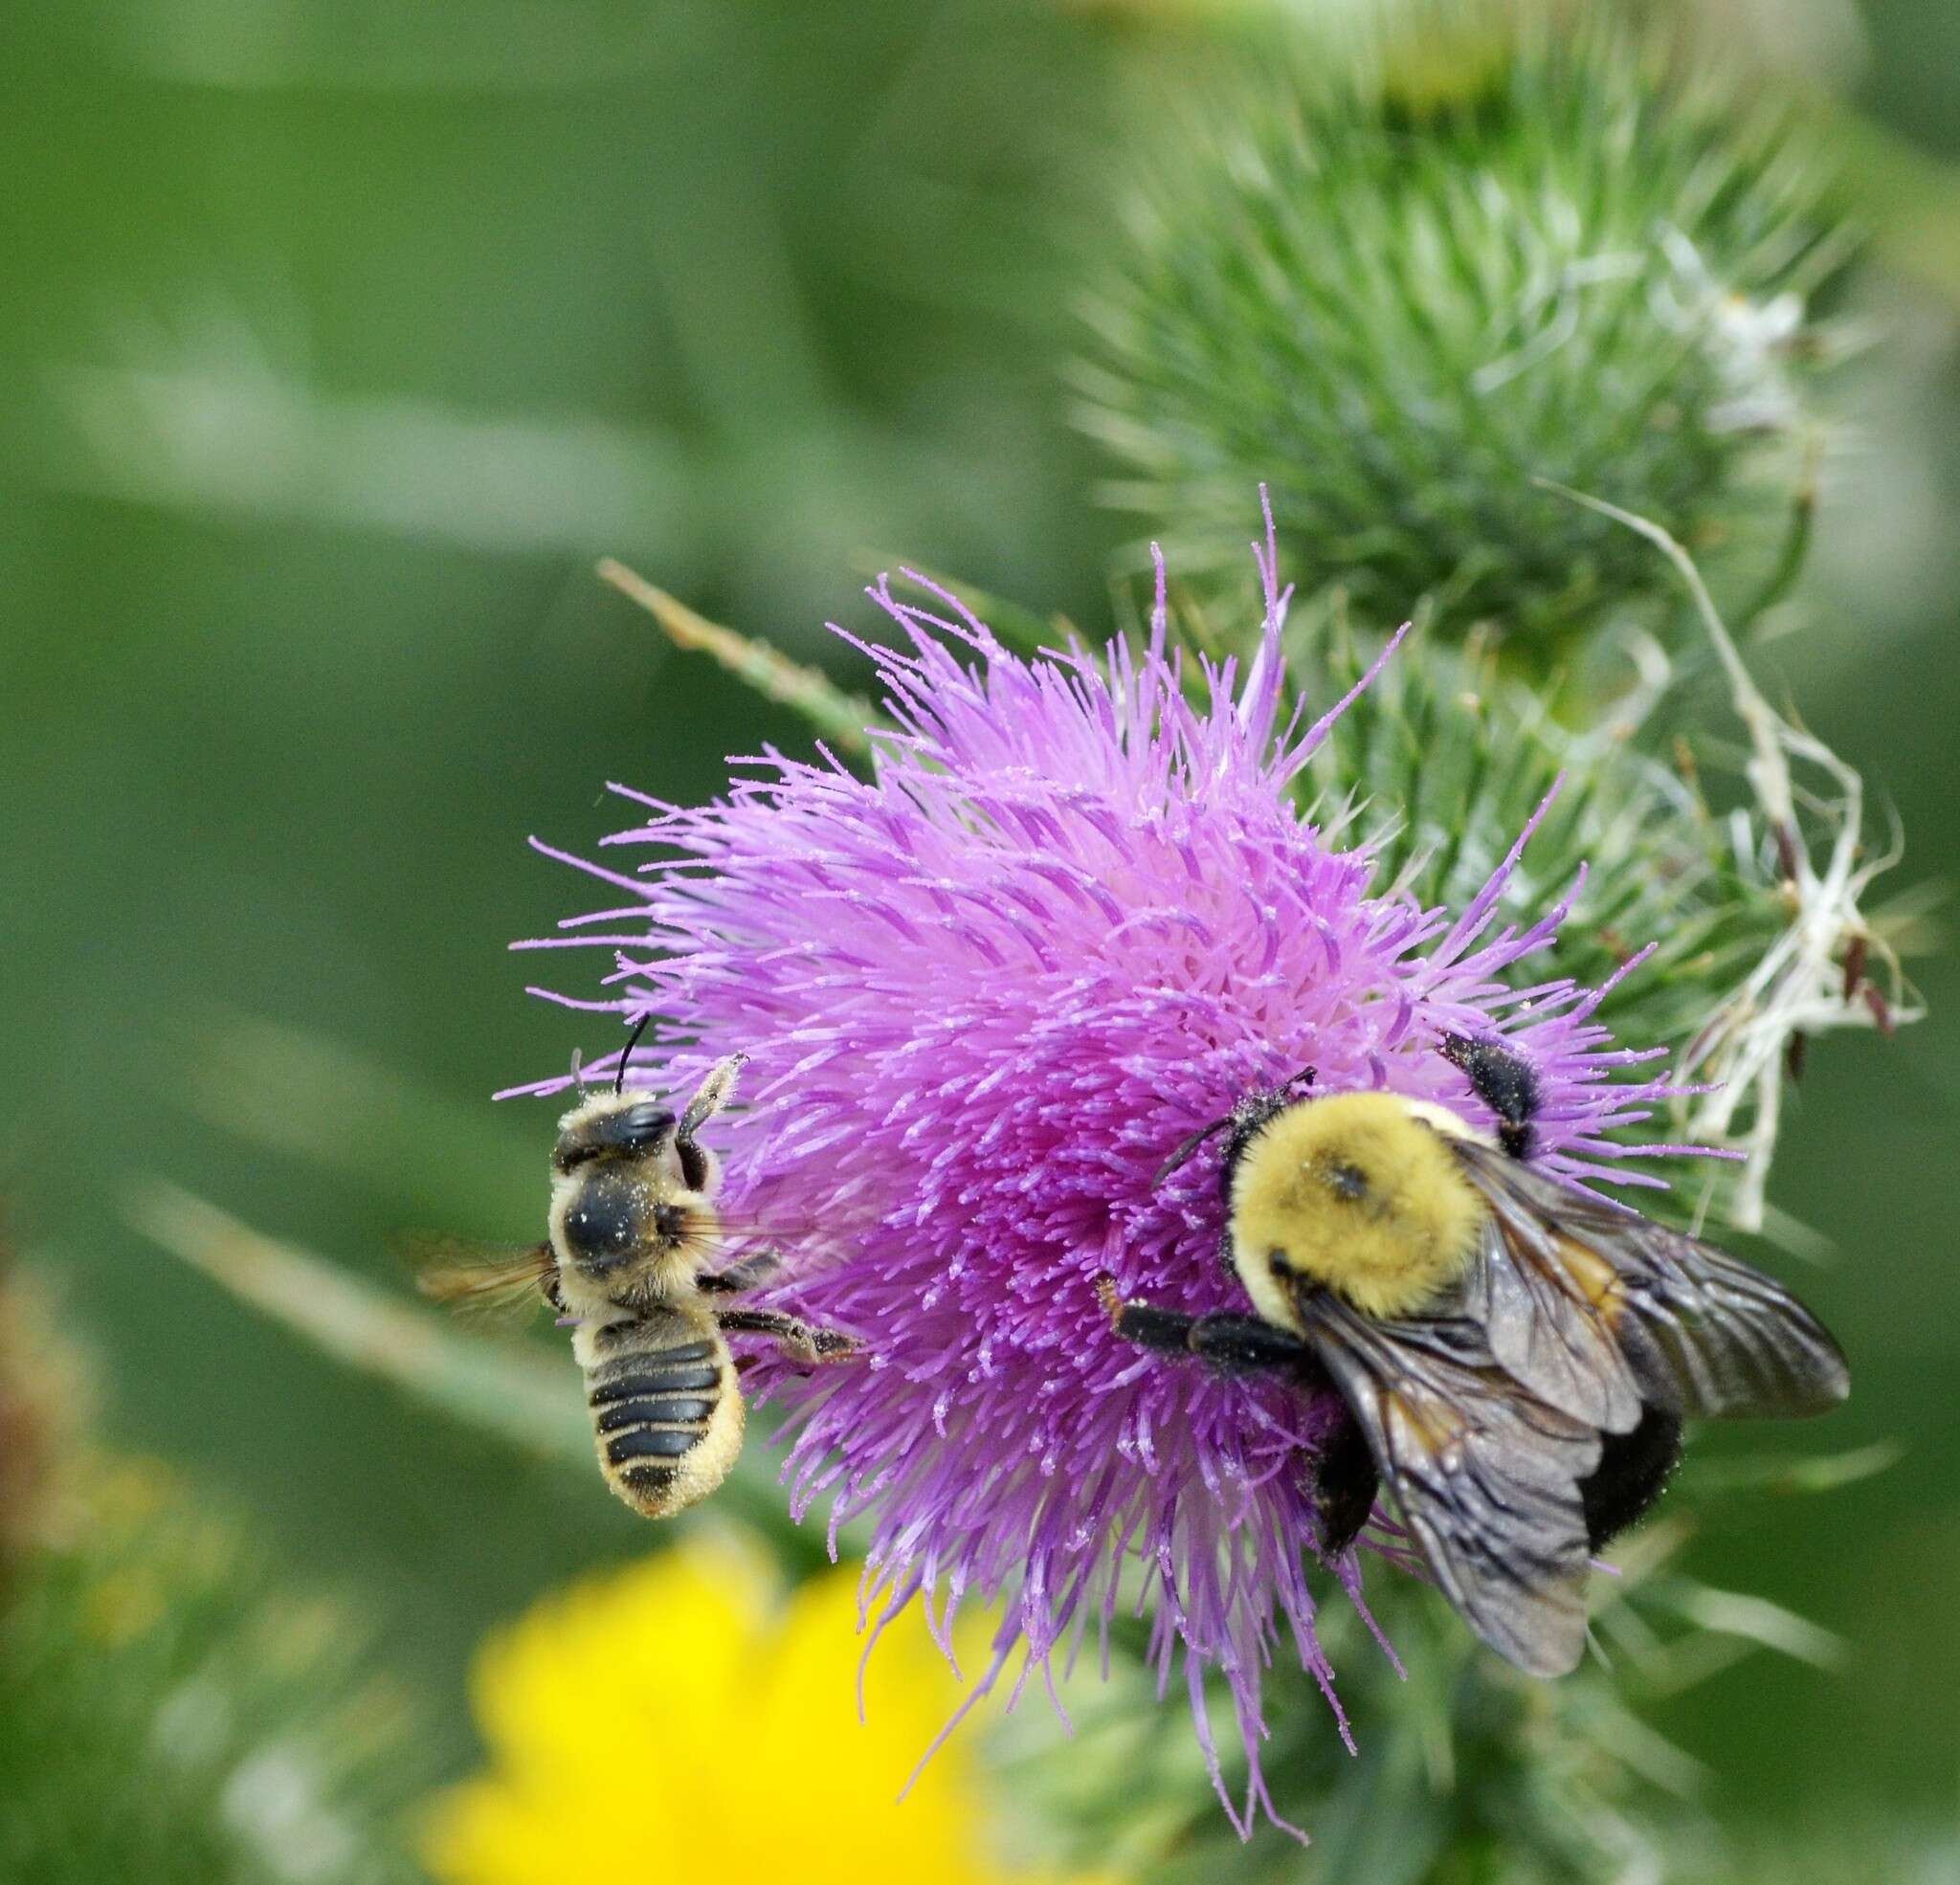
x=172, y=1719
x=1467, y=1772
x=166, y=1713
x=1401, y=296
x=1442, y=762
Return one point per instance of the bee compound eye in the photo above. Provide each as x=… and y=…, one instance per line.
x=628, y=1130
x=642, y=1125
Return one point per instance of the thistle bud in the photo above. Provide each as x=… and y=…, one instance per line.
x=1407, y=294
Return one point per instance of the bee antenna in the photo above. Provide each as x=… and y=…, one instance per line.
x=1182, y=1156
x=1183, y=1153
x=626, y=1052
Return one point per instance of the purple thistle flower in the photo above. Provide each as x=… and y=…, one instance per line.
x=1071, y=919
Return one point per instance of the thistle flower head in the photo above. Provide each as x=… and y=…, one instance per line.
x=1074, y=914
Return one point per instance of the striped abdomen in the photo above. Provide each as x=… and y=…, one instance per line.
x=667, y=1415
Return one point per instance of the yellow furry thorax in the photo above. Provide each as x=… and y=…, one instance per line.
x=1358, y=1192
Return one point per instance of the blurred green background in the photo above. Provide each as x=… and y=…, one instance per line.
x=339, y=340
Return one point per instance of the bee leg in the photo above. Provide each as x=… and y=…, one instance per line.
x=716, y=1089
x=1506, y=1082
x=801, y=1339
x=1345, y=1481
x=750, y=1274
x=1633, y=1469
x=1238, y=1345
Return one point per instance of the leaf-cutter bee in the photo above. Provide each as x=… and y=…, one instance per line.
x=634, y=1227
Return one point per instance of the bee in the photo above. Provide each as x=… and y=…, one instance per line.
x=633, y=1226
x=1515, y=1357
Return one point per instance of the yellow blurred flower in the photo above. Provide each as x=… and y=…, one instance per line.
x=681, y=1719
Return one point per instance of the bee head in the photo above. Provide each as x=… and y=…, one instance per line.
x=629, y=1206
x=612, y=1126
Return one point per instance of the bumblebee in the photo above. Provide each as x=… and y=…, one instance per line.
x=633, y=1228
x=1515, y=1357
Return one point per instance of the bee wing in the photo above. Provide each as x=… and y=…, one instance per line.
x=1542, y=1313
x=483, y=1278
x=1703, y=1333
x=1484, y=1474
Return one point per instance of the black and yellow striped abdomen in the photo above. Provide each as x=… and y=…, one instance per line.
x=667, y=1415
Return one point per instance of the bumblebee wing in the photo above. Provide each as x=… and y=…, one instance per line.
x=484, y=1280
x=1703, y=1333
x=1484, y=1474
x=1551, y=1318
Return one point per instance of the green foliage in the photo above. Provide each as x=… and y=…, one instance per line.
x=1900, y=1852
x=1478, y=255
x=497, y=1386
x=40, y=1389
x=167, y=1715
x=1447, y=762
x=838, y=717
x=1464, y=1773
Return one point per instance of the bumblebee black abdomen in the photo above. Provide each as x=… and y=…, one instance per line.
x=1346, y=1482
x=667, y=1415
x=1633, y=1469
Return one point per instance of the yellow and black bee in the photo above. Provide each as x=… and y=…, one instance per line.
x=1516, y=1358
x=632, y=1230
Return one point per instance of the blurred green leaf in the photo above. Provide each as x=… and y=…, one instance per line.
x=301, y=1093
x=1797, y=1473
x=495, y=1386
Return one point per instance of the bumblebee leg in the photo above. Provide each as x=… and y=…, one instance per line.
x=1239, y=1345
x=802, y=1339
x=1244, y=1344
x=1345, y=1481
x=1633, y=1469
x=750, y=1274
x=1506, y=1082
